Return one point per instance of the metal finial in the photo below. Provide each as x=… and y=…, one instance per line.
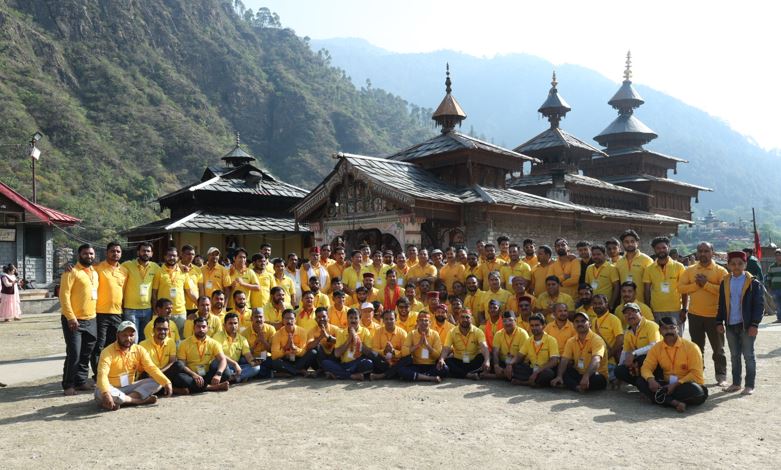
x=238, y=141
x=628, y=70
x=553, y=82
x=447, y=79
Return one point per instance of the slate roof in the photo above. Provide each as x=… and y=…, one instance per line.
x=626, y=124
x=451, y=141
x=643, y=178
x=633, y=150
x=571, y=178
x=200, y=221
x=626, y=96
x=555, y=138
x=514, y=197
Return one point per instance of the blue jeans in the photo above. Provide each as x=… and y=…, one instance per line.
x=343, y=370
x=249, y=371
x=776, y=293
x=740, y=343
x=140, y=317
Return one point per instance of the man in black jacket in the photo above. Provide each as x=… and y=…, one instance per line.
x=741, y=305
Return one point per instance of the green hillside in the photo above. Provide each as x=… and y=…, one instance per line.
x=135, y=98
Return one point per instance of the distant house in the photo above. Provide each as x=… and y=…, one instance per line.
x=27, y=233
x=234, y=205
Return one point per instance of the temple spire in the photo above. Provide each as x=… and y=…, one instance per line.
x=449, y=112
x=628, y=70
x=554, y=108
x=237, y=157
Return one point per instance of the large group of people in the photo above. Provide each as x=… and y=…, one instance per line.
x=601, y=316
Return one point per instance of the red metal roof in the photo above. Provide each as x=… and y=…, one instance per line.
x=45, y=214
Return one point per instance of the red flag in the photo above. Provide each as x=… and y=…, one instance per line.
x=757, y=244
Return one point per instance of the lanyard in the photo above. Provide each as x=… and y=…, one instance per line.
x=672, y=359
x=201, y=351
x=582, y=346
x=465, y=339
x=536, y=349
x=159, y=353
x=172, y=275
x=509, y=342
x=123, y=355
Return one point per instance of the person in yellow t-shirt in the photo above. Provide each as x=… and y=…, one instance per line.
x=493, y=322
x=519, y=291
x=288, y=347
x=422, y=270
x=410, y=293
x=163, y=308
x=305, y=315
x=608, y=327
x=541, y=271
x=411, y=256
x=171, y=282
x=194, y=278
x=337, y=313
x=320, y=340
x=490, y=265
x=473, y=268
x=276, y=306
x=402, y=268
x=279, y=279
x=137, y=296
x=612, y=251
x=522, y=305
x=78, y=298
x=111, y=285
x=387, y=345
x=351, y=354
x=336, y=269
x=631, y=267
x=661, y=285
x=680, y=383
x=566, y=268
x=515, y=268
x=204, y=362
x=474, y=298
x=504, y=248
x=242, y=277
x=314, y=269
x=423, y=348
x=242, y=366
x=441, y=324
x=259, y=298
x=537, y=360
x=494, y=292
x=161, y=348
x=585, y=296
x=603, y=276
x=319, y=299
x=641, y=335
x=214, y=322
x=552, y=295
x=215, y=275
x=507, y=344
x=452, y=271
x=352, y=277
x=471, y=356
x=242, y=310
x=583, y=365
x=561, y=328
x=259, y=339
x=117, y=368
x=629, y=295
x=366, y=314
x=530, y=253
x=407, y=319
x=378, y=269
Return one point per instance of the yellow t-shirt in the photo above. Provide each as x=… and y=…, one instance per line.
x=539, y=274
x=487, y=268
x=198, y=355
x=602, y=279
x=442, y=329
x=170, y=284
x=111, y=287
x=562, y=269
x=114, y=364
x=419, y=357
x=338, y=317
x=538, y=354
x=562, y=335
x=532, y=261
x=353, y=352
x=422, y=271
x=379, y=274
x=234, y=348
x=683, y=359
x=138, y=286
x=352, y=278
x=280, y=339
x=465, y=347
x=509, y=344
x=194, y=277
x=634, y=271
x=252, y=338
x=213, y=322
x=665, y=296
x=645, y=311
x=410, y=323
x=79, y=293
x=647, y=333
x=259, y=298
x=608, y=327
x=382, y=337
x=315, y=333
x=287, y=285
x=305, y=320
x=216, y=278
x=544, y=301
x=452, y=273
x=581, y=353
x=160, y=354
x=502, y=295
x=248, y=276
x=703, y=301
x=272, y=314
x=510, y=271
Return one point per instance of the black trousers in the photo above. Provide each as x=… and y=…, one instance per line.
x=622, y=372
x=78, y=349
x=382, y=366
x=572, y=379
x=180, y=379
x=523, y=371
x=283, y=364
x=690, y=393
x=459, y=369
x=107, y=324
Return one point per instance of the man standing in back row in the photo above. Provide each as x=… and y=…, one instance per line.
x=137, y=297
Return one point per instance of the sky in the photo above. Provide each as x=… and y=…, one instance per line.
x=716, y=55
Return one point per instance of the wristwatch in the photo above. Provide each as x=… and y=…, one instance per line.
x=218, y=373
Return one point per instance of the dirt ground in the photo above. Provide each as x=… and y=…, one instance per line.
x=307, y=423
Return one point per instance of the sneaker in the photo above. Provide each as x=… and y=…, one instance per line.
x=747, y=391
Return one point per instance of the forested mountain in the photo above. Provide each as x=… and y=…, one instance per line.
x=136, y=97
x=501, y=95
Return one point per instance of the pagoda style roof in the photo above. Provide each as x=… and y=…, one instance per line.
x=646, y=178
x=556, y=138
x=453, y=141
x=200, y=221
x=626, y=125
x=571, y=178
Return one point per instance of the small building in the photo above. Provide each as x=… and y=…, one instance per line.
x=27, y=235
x=454, y=189
x=236, y=204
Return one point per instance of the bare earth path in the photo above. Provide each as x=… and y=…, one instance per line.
x=309, y=423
